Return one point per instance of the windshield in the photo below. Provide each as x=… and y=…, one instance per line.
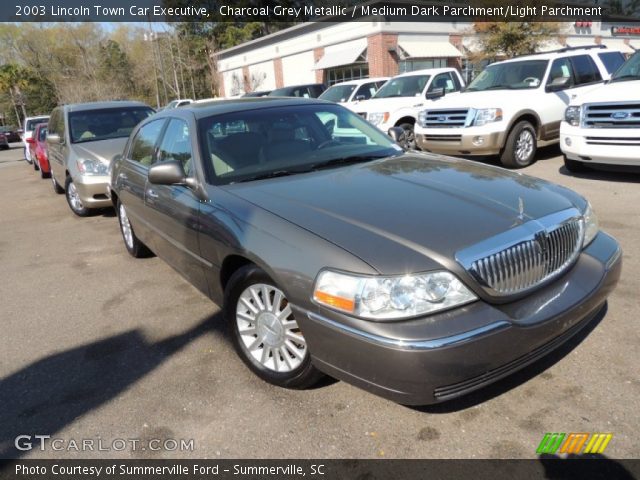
x=407, y=86
x=338, y=93
x=31, y=124
x=94, y=125
x=268, y=142
x=511, y=75
x=629, y=71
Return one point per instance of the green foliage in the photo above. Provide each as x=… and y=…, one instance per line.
x=513, y=38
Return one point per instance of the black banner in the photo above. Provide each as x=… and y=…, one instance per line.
x=318, y=10
x=546, y=467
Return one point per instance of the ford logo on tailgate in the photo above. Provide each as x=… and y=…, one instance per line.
x=619, y=115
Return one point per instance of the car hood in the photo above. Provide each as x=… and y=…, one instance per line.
x=388, y=104
x=610, y=92
x=101, y=150
x=486, y=99
x=407, y=213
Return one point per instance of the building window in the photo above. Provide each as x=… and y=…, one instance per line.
x=411, y=64
x=346, y=73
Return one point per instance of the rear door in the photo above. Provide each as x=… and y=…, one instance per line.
x=173, y=210
x=56, y=156
x=132, y=177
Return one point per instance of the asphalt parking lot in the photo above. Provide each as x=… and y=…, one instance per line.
x=97, y=345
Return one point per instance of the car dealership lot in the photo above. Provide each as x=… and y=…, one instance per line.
x=96, y=345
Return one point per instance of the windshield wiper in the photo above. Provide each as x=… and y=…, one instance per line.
x=274, y=174
x=498, y=87
x=346, y=161
x=624, y=78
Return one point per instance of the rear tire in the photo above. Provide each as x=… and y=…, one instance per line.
x=44, y=174
x=574, y=166
x=134, y=246
x=36, y=167
x=73, y=199
x=521, y=145
x=267, y=338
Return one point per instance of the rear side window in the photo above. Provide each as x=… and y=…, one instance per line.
x=42, y=134
x=585, y=70
x=143, y=145
x=611, y=60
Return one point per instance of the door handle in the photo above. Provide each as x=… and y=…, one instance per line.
x=152, y=193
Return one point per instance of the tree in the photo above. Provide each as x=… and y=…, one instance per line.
x=510, y=39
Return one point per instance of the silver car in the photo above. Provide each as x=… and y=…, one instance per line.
x=81, y=141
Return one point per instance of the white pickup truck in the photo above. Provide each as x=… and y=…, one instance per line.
x=603, y=125
x=513, y=107
x=398, y=101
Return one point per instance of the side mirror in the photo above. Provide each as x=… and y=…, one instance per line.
x=360, y=97
x=397, y=134
x=435, y=93
x=55, y=138
x=168, y=173
x=557, y=84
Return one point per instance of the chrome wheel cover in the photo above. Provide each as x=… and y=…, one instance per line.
x=524, y=146
x=125, y=226
x=74, y=197
x=268, y=330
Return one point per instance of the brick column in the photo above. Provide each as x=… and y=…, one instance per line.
x=277, y=71
x=456, y=62
x=318, y=53
x=383, y=61
x=220, y=85
x=246, y=79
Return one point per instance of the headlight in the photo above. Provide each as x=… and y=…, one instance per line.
x=378, y=117
x=92, y=167
x=422, y=118
x=591, y=226
x=572, y=116
x=487, y=115
x=389, y=298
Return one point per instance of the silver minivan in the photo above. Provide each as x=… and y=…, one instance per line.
x=81, y=141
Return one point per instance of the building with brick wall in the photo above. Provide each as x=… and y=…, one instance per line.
x=323, y=52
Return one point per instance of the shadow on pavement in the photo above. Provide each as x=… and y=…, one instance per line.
x=49, y=394
x=584, y=467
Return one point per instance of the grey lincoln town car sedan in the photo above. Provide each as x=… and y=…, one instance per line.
x=415, y=276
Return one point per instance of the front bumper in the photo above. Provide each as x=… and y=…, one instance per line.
x=436, y=358
x=92, y=191
x=613, y=146
x=485, y=140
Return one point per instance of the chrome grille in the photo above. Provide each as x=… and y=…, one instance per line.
x=526, y=262
x=619, y=141
x=446, y=118
x=612, y=115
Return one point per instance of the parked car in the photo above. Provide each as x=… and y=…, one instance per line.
x=351, y=93
x=417, y=277
x=313, y=90
x=39, y=151
x=513, y=107
x=12, y=134
x=603, y=125
x=261, y=93
x=398, y=101
x=4, y=142
x=81, y=140
x=27, y=133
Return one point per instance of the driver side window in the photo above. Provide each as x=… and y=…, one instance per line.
x=561, y=68
x=176, y=145
x=444, y=81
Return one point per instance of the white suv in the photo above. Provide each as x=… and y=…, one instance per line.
x=514, y=106
x=603, y=126
x=352, y=92
x=398, y=101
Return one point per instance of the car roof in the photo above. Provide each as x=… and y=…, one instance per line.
x=563, y=52
x=79, y=107
x=426, y=71
x=361, y=81
x=207, y=109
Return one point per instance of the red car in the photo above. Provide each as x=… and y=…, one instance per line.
x=38, y=147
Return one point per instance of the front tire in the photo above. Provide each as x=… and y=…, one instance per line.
x=520, y=149
x=574, y=166
x=134, y=246
x=36, y=167
x=264, y=331
x=74, y=200
x=409, y=142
